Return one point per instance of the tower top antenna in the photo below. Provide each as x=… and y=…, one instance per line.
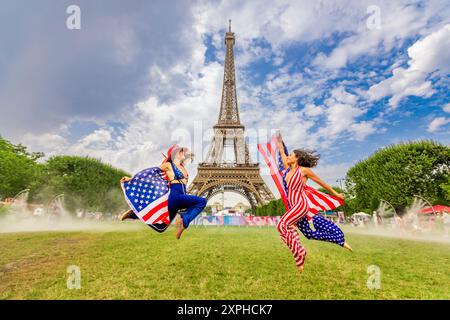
x=229, y=25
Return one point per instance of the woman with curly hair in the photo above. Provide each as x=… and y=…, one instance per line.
x=297, y=167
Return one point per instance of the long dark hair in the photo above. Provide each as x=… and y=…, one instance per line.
x=306, y=158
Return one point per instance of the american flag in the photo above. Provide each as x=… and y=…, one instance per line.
x=318, y=201
x=147, y=195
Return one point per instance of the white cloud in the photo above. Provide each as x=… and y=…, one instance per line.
x=98, y=140
x=428, y=56
x=446, y=108
x=312, y=110
x=152, y=126
x=280, y=23
x=340, y=116
x=283, y=81
x=397, y=22
x=49, y=143
x=183, y=89
x=342, y=112
x=362, y=129
x=330, y=173
x=437, y=123
x=339, y=94
x=50, y=75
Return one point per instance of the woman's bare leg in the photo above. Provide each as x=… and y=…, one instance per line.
x=347, y=246
x=180, y=227
x=125, y=215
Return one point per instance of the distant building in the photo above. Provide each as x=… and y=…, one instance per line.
x=216, y=207
x=228, y=212
x=237, y=210
x=241, y=207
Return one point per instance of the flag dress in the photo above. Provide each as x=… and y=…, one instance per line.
x=298, y=208
x=324, y=230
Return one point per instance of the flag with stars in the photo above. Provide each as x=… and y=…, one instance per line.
x=317, y=201
x=147, y=194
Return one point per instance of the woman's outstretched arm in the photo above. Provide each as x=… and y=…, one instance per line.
x=311, y=175
x=281, y=148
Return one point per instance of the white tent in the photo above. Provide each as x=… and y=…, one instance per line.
x=361, y=214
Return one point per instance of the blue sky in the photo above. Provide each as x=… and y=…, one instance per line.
x=342, y=77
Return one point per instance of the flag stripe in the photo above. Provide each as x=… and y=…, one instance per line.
x=158, y=212
x=153, y=211
x=273, y=169
x=315, y=203
x=156, y=205
x=327, y=198
x=317, y=200
x=275, y=176
x=147, y=195
x=162, y=216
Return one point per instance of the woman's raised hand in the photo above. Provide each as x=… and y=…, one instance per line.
x=125, y=179
x=341, y=196
x=280, y=139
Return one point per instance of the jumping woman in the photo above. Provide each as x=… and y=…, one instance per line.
x=297, y=171
x=176, y=177
x=178, y=199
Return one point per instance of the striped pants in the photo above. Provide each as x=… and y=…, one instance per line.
x=288, y=233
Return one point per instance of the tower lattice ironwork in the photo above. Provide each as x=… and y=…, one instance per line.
x=228, y=166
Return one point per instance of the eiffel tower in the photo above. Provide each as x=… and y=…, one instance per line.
x=228, y=166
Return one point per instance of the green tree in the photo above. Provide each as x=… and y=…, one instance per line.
x=398, y=172
x=337, y=189
x=445, y=186
x=18, y=168
x=280, y=207
x=208, y=210
x=272, y=208
x=86, y=183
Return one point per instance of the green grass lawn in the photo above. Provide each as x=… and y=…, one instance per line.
x=216, y=263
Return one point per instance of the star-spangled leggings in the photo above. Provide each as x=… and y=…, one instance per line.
x=325, y=230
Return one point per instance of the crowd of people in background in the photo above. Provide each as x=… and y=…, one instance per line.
x=436, y=222
x=93, y=215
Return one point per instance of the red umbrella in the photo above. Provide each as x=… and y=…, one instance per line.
x=436, y=208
